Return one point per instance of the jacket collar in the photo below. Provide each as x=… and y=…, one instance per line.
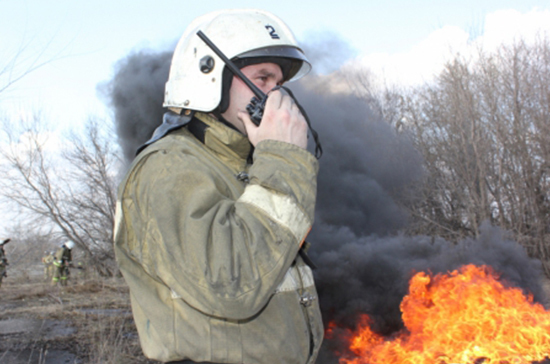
x=223, y=139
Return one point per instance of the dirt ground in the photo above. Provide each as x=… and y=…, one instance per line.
x=87, y=322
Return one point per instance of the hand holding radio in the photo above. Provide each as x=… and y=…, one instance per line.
x=281, y=119
x=257, y=106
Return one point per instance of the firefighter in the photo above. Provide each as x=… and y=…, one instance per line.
x=3, y=261
x=47, y=261
x=213, y=213
x=62, y=263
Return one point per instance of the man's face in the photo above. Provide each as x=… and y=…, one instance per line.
x=264, y=75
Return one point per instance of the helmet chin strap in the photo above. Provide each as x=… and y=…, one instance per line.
x=221, y=119
x=318, y=147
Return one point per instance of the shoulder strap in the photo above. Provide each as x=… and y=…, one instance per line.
x=197, y=128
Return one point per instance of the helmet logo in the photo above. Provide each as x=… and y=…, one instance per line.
x=272, y=32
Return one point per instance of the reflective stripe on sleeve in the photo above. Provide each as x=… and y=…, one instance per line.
x=118, y=217
x=278, y=207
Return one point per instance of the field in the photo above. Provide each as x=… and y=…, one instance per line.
x=87, y=322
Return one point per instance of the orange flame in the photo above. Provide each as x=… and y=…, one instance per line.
x=466, y=316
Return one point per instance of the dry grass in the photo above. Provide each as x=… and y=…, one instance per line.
x=90, y=319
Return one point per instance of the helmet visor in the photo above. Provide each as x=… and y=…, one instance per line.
x=300, y=64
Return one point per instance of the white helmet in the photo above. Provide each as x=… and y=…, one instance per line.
x=69, y=245
x=195, y=82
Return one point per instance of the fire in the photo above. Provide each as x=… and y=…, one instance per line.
x=466, y=316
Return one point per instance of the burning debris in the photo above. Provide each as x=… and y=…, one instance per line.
x=465, y=316
x=370, y=276
x=364, y=264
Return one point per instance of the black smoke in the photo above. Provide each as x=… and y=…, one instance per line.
x=135, y=94
x=364, y=166
x=364, y=262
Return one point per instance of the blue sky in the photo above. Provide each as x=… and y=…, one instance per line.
x=87, y=38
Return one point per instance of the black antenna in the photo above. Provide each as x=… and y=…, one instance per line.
x=236, y=71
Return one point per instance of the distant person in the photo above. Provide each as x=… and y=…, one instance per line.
x=47, y=261
x=3, y=261
x=62, y=263
x=213, y=213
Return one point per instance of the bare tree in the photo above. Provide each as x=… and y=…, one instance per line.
x=483, y=129
x=72, y=189
x=25, y=59
x=385, y=101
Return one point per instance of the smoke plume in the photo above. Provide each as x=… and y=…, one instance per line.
x=364, y=263
x=135, y=95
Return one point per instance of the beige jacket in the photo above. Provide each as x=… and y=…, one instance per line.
x=211, y=259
